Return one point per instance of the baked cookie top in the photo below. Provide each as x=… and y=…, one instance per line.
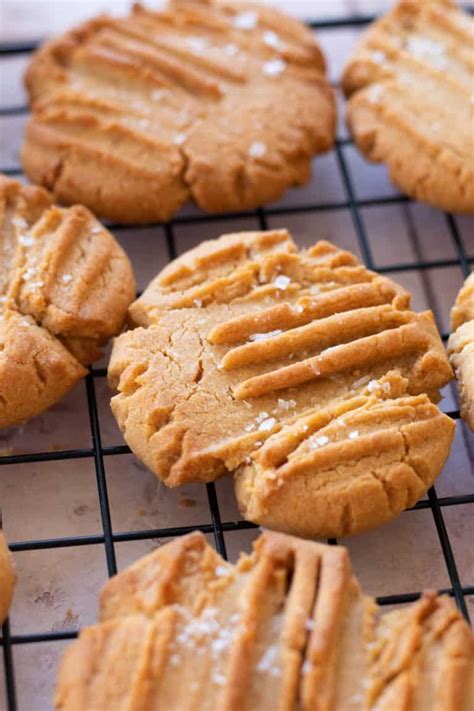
x=221, y=102
x=287, y=627
x=302, y=370
x=65, y=285
x=7, y=576
x=461, y=348
x=411, y=101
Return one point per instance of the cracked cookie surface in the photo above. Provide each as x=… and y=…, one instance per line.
x=286, y=628
x=461, y=348
x=411, y=101
x=221, y=102
x=65, y=285
x=301, y=371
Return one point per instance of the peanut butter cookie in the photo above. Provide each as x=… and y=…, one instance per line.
x=65, y=285
x=411, y=100
x=224, y=103
x=303, y=372
x=286, y=628
x=461, y=348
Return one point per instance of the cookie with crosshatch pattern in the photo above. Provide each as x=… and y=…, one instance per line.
x=411, y=100
x=303, y=372
x=461, y=348
x=221, y=102
x=65, y=285
x=286, y=628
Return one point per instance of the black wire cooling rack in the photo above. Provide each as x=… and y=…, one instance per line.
x=217, y=527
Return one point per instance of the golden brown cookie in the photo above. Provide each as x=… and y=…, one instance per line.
x=461, y=348
x=411, y=100
x=287, y=627
x=7, y=576
x=221, y=102
x=302, y=371
x=65, y=285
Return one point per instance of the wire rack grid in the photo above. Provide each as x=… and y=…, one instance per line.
x=215, y=526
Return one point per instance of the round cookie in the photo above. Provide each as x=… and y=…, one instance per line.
x=303, y=372
x=224, y=103
x=65, y=285
x=410, y=104
x=288, y=627
x=461, y=348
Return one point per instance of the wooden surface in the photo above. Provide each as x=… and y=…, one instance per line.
x=57, y=588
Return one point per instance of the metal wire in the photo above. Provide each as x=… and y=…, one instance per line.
x=215, y=526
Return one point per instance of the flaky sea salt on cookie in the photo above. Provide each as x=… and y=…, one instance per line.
x=303, y=372
x=65, y=285
x=411, y=100
x=224, y=103
x=461, y=348
x=286, y=628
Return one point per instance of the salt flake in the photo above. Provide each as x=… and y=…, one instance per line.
x=378, y=57
x=221, y=571
x=426, y=48
x=319, y=442
x=272, y=39
x=264, y=336
x=274, y=67
x=26, y=240
x=267, y=663
x=282, y=282
x=197, y=44
x=286, y=404
x=218, y=679
x=267, y=424
x=257, y=149
x=245, y=20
